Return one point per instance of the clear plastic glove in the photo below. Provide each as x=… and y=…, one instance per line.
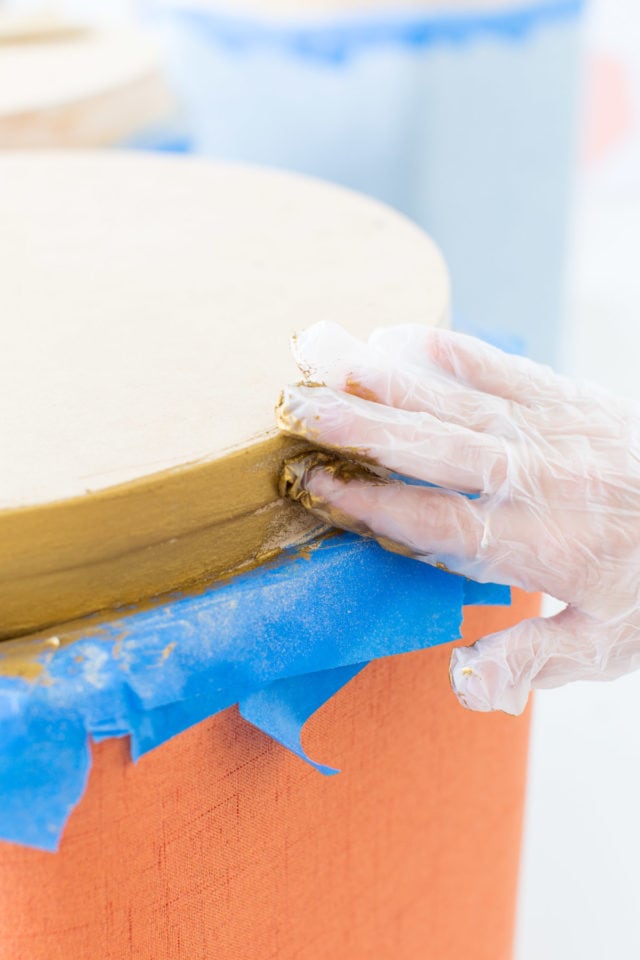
x=555, y=465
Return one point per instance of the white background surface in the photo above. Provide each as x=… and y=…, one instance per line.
x=580, y=894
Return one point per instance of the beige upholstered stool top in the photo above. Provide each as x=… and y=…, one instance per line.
x=147, y=303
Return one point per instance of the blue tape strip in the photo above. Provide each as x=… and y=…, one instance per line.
x=334, y=40
x=282, y=709
x=486, y=594
x=152, y=673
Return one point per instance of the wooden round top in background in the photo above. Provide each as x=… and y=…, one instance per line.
x=147, y=303
x=77, y=88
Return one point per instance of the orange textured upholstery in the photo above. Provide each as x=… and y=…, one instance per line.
x=220, y=845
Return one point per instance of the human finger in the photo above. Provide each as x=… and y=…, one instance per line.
x=499, y=671
x=415, y=444
x=437, y=526
x=385, y=370
x=484, y=367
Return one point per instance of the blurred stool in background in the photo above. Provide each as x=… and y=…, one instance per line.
x=64, y=84
x=460, y=114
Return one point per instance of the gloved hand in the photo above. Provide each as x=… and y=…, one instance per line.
x=555, y=465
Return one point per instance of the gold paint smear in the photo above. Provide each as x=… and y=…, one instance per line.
x=296, y=472
x=170, y=531
x=293, y=484
x=168, y=650
x=357, y=389
x=27, y=657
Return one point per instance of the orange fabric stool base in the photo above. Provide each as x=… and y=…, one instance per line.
x=220, y=845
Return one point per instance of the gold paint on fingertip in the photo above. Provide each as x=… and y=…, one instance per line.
x=293, y=484
x=295, y=477
x=296, y=472
x=288, y=424
x=357, y=389
x=310, y=383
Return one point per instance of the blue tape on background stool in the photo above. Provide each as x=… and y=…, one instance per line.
x=152, y=673
x=332, y=40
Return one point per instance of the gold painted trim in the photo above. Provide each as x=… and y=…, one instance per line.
x=169, y=531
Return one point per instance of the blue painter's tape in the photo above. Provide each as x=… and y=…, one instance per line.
x=486, y=594
x=152, y=673
x=282, y=709
x=44, y=768
x=333, y=40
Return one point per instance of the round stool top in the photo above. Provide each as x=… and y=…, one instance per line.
x=147, y=305
x=83, y=88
